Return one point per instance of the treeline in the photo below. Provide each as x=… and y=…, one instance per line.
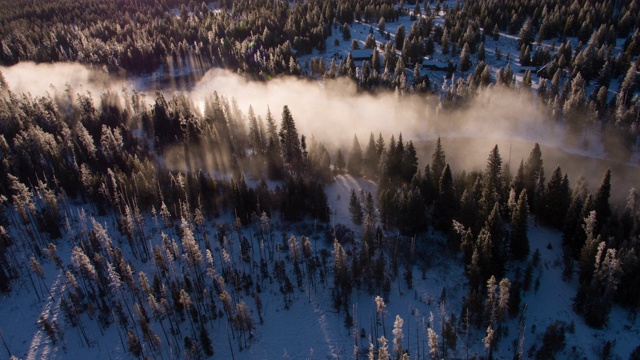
x=65, y=147
x=265, y=38
x=575, y=81
x=489, y=211
x=255, y=37
x=115, y=156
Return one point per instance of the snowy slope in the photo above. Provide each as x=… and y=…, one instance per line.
x=310, y=327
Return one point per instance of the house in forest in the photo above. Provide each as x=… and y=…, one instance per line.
x=434, y=65
x=361, y=54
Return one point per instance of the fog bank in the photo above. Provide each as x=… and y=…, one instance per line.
x=332, y=111
x=42, y=79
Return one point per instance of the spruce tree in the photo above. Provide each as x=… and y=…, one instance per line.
x=481, y=52
x=274, y=158
x=526, y=35
x=135, y=347
x=400, y=36
x=601, y=201
x=289, y=140
x=255, y=137
x=532, y=168
x=572, y=233
x=409, y=164
x=340, y=162
x=574, y=106
x=371, y=159
x=555, y=200
x=428, y=187
x=499, y=242
x=355, y=208
x=446, y=205
x=354, y=166
x=492, y=184
x=369, y=207
x=589, y=249
x=519, y=239
x=438, y=162
x=205, y=340
x=346, y=32
x=398, y=336
x=465, y=58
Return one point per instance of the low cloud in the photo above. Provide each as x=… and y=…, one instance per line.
x=332, y=111
x=42, y=79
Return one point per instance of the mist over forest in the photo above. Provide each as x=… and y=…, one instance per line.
x=356, y=179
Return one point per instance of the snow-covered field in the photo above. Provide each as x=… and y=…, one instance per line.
x=311, y=328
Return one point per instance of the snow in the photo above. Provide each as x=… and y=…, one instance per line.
x=310, y=327
x=338, y=194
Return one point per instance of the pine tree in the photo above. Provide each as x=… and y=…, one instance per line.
x=595, y=295
x=446, y=205
x=433, y=339
x=492, y=187
x=400, y=36
x=412, y=212
x=491, y=304
x=409, y=164
x=355, y=208
x=205, y=340
x=601, y=201
x=628, y=86
x=430, y=46
x=495, y=251
x=346, y=32
x=274, y=158
x=341, y=271
x=526, y=35
x=371, y=354
x=190, y=246
x=383, y=351
x=503, y=300
x=481, y=52
x=398, y=336
x=572, y=234
x=465, y=58
x=382, y=25
x=134, y=344
x=532, y=168
x=340, y=162
x=474, y=268
x=555, y=200
x=589, y=249
x=438, y=161
x=575, y=104
x=289, y=140
x=381, y=311
x=519, y=239
x=505, y=76
x=526, y=80
x=488, y=341
x=375, y=62
x=371, y=160
x=255, y=137
x=354, y=166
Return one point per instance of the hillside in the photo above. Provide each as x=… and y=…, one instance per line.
x=321, y=179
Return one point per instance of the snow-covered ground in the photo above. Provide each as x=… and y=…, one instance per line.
x=311, y=328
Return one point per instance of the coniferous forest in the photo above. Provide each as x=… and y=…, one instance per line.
x=364, y=179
